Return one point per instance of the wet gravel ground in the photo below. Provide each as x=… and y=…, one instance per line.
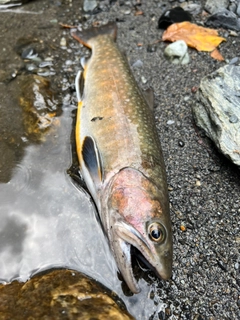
x=204, y=186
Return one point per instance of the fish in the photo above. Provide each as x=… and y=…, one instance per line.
x=120, y=157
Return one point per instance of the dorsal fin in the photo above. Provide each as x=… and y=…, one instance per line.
x=85, y=35
x=92, y=161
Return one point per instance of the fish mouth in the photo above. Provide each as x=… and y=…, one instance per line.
x=130, y=245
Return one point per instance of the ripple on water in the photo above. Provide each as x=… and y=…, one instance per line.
x=22, y=177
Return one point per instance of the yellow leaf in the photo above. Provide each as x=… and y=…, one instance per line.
x=215, y=54
x=200, y=38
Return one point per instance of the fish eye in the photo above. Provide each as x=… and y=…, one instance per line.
x=156, y=232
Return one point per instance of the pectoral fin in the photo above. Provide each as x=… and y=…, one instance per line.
x=79, y=84
x=91, y=166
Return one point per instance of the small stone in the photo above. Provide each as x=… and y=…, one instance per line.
x=213, y=6
x=137, y=64
x=192, y=8
x=68, y=62
x=183, y=227
x=233, y=33
x=128, y=11
x=144, y=80
x=234, y=60
x=169, y=122
x=198, y=183
x=45, y=64
x=89, y=5
x=223, y=19
x=233, y=119
x=222, y=265
x=31, y=67
x=177, y=53
x=181, y=143
x=63, y=42
x=151, y=48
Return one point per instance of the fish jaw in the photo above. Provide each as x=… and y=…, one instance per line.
x=134, y=208
x=126, y=236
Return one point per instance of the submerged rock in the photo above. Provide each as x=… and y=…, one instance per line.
x=224, y=19
x=39, y=104
x=217, y=110
x=177, y=52
x=60, y=294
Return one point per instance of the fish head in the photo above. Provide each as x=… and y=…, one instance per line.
x=138, y=217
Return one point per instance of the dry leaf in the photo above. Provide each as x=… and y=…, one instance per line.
x=215, y=54
x=200, y=38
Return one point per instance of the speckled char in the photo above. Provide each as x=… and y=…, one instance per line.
x=126, y=136
x=115, y=124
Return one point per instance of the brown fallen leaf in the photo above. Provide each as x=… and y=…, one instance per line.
x=200, y=38
x=215, y=54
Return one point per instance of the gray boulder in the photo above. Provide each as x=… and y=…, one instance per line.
x=217, y=110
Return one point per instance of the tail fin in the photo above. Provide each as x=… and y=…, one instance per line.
x=85, y=35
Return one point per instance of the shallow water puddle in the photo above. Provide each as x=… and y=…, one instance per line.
x=47, y=222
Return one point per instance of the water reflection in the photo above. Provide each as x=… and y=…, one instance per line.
x=47, y=222
x=45, y=219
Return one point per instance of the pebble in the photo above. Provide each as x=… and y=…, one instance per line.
x=181, y=143
x=45, y=64
x=183, y=227
x=151, y=48
x=198, y=183
x=213, y=6
x=234, y=60
x=63, y=42
x=137, y=64
x=233, y=119
x=193, y=8
x=144, y=80
x=89, y=5
x=169, y=122
x=177, y=52
x=31, y=67
x=128, y=11
x=68, y=62
x=46, y=73
x=223, y=19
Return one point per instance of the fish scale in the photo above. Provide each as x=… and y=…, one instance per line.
x=120, y=157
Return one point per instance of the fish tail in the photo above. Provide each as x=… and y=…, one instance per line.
x=86, y=35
